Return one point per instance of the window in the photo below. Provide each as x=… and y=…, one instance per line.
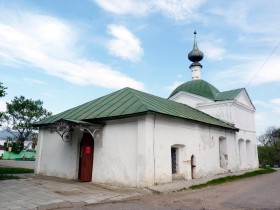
x=223, y=152
x=174, y=160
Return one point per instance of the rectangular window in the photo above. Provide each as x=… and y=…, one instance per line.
x=174, y=164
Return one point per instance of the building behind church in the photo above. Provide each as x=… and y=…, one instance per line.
x=131, y=138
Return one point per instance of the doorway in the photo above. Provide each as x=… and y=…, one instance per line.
x=86, y=158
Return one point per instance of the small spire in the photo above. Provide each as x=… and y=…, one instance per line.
x=195, y=56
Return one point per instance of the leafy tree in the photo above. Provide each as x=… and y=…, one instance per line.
x=269, y=151
x=2, y=90
x=2, y=94
x=15, y=145
x=34, y=139
x=21, y=113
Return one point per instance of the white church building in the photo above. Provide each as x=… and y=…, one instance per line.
x=132, y=138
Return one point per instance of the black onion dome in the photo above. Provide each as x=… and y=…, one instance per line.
x=195, y=55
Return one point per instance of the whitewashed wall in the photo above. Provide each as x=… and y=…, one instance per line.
x=199, y=140
x=115, y=157
x=239, y=112
x=136, y=152
x=115, y=160
x=189, y=99
x=55, y=157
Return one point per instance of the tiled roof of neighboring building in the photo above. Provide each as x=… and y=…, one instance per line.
x=129, y=102
x=205, y=89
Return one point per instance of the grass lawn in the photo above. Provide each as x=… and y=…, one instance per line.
x=6, y=172
x=233, y=178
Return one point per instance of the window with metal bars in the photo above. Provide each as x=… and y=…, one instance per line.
x=174, y=160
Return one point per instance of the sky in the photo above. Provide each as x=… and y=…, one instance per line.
x=68, y=52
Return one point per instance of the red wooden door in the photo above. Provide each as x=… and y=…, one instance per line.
x=86, y=158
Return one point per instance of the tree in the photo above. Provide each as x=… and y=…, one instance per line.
x=269, y=151
x=2, y=90
x=21, y=113
x=2, y=94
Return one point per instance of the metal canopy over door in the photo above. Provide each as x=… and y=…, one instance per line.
x=86, y=158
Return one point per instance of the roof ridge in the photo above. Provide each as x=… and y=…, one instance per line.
x=113, y=94
x=130, y=92
x=233, y=90
x=185, y=105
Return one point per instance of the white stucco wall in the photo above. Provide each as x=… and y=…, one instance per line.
x=189, y=99
x=191, y=139
x=239, y=112
x=115, y=160
x=136, y=152
x=55, y=157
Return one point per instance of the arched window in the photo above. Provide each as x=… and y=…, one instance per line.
x=223, y=152
x=249, y=152
x=242, y=153
x=174, y=160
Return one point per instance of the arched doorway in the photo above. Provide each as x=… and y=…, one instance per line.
x=86, y=158
x=249, y=152
x=242, y=153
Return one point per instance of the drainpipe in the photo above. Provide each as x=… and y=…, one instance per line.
x=154, y=148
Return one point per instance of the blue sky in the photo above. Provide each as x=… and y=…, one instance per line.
x=68, y=52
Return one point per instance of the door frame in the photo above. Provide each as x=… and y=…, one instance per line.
x=86, y=157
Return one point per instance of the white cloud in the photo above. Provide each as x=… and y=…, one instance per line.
x=137, y=8
x=212, y=49
x=124, y=44
x=275, y=101
x=251, y=72
x=174, y=9
x=242, y=14
x=178, y=9
x=262, y=103
x=268, y=73
x=50, y=44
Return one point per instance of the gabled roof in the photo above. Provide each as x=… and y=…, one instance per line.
x=228, y=95
x=129, y=102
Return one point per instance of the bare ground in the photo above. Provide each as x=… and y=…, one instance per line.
x=260, y=192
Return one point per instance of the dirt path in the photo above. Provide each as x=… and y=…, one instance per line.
x=261, y=192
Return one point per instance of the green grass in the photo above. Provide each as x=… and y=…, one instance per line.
x=233, y=178
x=7, y=176
x=6, y=170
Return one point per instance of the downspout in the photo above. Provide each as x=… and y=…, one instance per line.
x=154, y=148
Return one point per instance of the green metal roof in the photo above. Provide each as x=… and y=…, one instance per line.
x=128, y=102
x=198, y=87
x=205, y=89
x=228, y=95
